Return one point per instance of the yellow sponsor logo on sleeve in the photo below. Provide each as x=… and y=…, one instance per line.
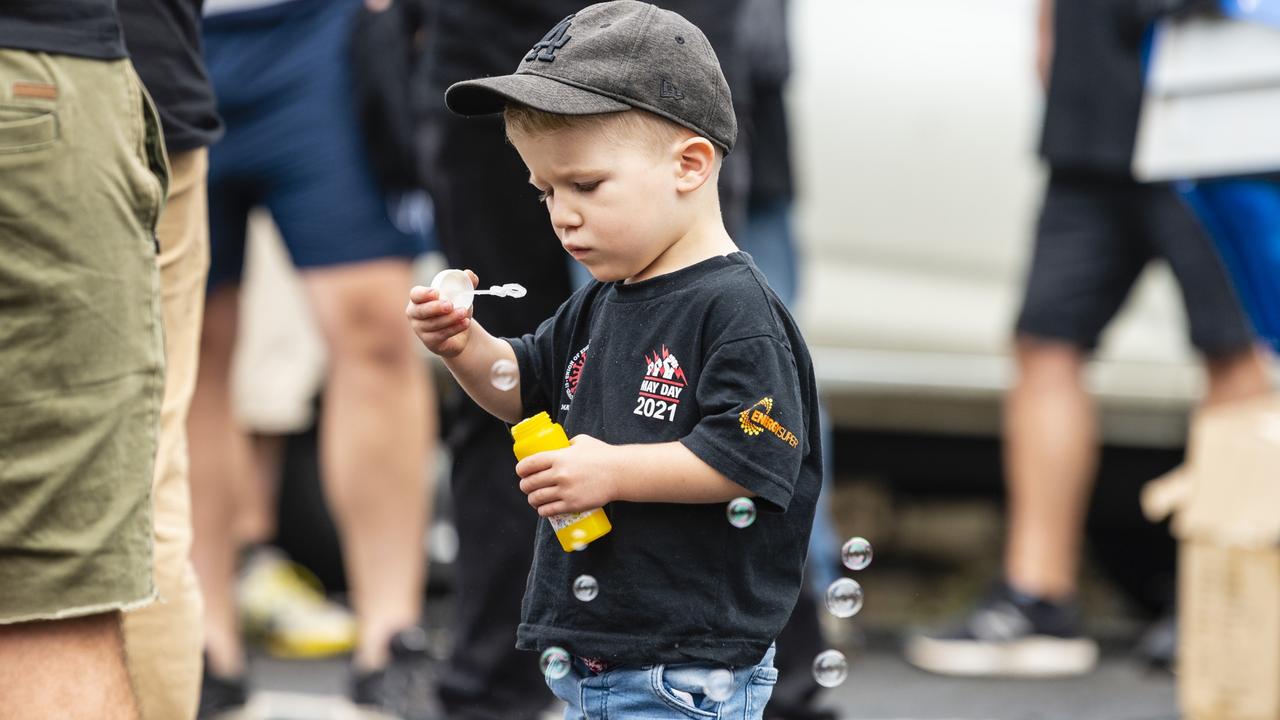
x=755, y=420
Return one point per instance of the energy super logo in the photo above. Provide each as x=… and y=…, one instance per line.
x=756, y=420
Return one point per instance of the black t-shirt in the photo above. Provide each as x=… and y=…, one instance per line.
x=1095, y=86
x=164, y=41
x=706, y=355
x=87, y=28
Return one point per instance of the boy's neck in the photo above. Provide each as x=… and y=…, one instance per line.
x=701, y=241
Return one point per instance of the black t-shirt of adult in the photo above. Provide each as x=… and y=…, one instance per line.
x=707, y=356
x=163, y=38
x=87, y=28
x=1095, y=85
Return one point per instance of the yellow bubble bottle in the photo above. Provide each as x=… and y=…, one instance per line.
x=538, y=434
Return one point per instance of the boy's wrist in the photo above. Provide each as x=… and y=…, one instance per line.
x=616, y=474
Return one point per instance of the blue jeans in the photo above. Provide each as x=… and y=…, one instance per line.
x=657, y=692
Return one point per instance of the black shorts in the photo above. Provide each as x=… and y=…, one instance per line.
x=1096, y=234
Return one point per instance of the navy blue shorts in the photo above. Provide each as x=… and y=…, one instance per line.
x=1096, y=234
x=293, y=142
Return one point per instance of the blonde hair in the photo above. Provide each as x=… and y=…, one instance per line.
x=639, y=127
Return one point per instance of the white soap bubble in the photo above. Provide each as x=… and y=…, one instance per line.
x=554, y=662
x=719, y=685
x=504, y=375
x=741, y=512
x=844, y=598
x=585, y=588
x=856, y=553
x=830, y=668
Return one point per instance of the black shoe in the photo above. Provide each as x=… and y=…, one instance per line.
x=1158, y=646
x=220, y=695
x=1008, y=634
x=403, y=689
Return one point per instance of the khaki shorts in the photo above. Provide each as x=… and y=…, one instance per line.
x=83, y=176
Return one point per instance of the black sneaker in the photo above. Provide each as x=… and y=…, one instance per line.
x=403, y=689
x=220, y=696
x=1009, y=634
x=1158, y=646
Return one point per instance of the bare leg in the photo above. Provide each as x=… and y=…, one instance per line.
x=219, y=452
x=164, y=639
x=256, y=505
x=1236, y=377
x=1051, y=455
x=71, y=669
x=375, y=441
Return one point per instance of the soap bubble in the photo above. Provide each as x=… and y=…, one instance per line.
x=856, y=553
x=585, y=588
x=830, y=668
x=555, y=662
x=719, y=685
x=504, y=375
x=741, y=512
x=844, y=598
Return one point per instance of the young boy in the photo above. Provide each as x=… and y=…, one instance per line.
x=679, y=374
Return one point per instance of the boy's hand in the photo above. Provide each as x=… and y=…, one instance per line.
x=574, y=479
x=437, y=323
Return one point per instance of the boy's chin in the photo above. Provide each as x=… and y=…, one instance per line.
x=606, y=274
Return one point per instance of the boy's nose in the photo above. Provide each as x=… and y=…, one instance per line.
x=564, y=216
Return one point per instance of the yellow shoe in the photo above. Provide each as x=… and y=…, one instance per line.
x=283, y=606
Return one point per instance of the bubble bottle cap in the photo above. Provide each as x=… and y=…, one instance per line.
x=454, y=286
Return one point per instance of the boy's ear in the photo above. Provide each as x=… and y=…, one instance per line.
x=697, y=163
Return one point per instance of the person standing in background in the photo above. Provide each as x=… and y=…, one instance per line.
x=81, y=356
x=163, y=640
x=282, y=72
x=1098, y=229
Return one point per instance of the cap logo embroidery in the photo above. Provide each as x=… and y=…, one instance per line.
x=545, y=49
x=670, y=91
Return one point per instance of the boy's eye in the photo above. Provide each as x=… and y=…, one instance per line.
x=587, y=187
x=543, y=195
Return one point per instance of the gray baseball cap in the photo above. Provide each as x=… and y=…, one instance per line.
x=610, y=57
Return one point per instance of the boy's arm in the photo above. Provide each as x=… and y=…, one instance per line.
x=466, y=348
x=473, y=368
x=591, y=473
x=670, y=472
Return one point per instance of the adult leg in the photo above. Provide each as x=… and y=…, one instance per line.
x=1051, y=455
x=1236, y=366
x=219, y=450
x=1236, y=376
x=71, y=669
x=164, y=639
x=81, y=374
x=375, y=433
x=1086, y=259
x=1087, y=256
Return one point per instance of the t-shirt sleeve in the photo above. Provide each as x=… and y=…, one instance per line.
x=752, y=423
x=535, y=358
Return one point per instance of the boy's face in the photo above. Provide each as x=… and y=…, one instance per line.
x=612, y=204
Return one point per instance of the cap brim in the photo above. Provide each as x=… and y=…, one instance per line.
x=489, y=95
